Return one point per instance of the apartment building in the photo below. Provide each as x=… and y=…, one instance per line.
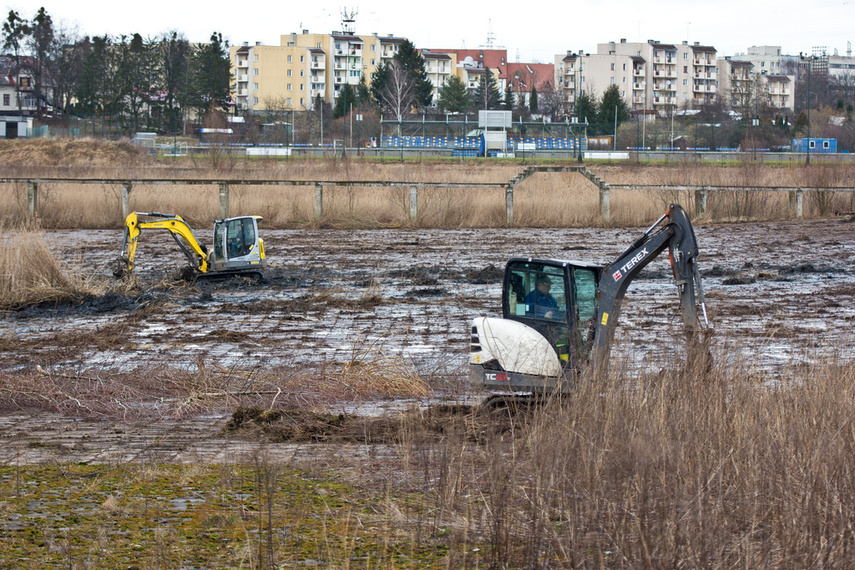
x=472, y=63
x=765, y=59
x=741, y=83
x=440, y=67
x=653, y=77
x=304, y=66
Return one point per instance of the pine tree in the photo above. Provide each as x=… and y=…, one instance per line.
x=532, y=101
x=454, y=97
x=487, y=94
x=610, y=103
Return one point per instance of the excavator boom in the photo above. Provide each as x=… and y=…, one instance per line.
x=673, y=231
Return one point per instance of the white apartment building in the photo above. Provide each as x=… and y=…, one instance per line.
x=653, y=77
x=742, y=85
x=765, y=59
x=440, y=66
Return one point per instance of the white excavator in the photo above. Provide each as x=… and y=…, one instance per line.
x=238, y=250
x=559, y=317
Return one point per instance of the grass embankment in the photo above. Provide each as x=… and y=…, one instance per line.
x=544, y=200
x=671, y=469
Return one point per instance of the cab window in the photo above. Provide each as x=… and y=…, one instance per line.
x=537, y=291
x=240, y=237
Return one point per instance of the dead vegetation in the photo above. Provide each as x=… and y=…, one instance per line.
x=30, y=273
x=555, y=200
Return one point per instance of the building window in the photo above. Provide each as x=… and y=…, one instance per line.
x=288, y=102
x=302, y=58
x=685, y=82
x=812, y=144
x=255, y=57
x=373, y=47
x=301, y=86
x=255, y=86
x=288, y=73
x=255, y=72
x=7, y=100
x=685, y=55
x=623, y=81
x=289, y=87
x=255, y=100
x=289, y=59
x=613, y=67
x=302, y=73
x=611, y=81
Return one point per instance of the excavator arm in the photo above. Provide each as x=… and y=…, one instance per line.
x=673, y=231
x=196, y=253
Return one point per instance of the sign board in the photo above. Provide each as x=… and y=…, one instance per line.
x=494, y=119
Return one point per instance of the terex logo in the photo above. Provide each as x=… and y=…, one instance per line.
x=630, y=264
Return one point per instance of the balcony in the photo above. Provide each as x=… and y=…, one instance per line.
x=638, y=100
x=318, y=65
x=244, y=63
x=637, y=87
x=242, y=78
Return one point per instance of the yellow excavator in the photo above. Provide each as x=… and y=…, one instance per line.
x=237, y=248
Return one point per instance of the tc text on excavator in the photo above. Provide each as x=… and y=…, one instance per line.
x=237, y=248
x=559, y=317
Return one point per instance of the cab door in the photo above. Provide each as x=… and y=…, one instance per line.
x=547, y=309
x=236, y=243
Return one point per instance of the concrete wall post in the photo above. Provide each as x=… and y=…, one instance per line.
x=126, y=200
x=605, y=203
x=509, y=203
x=319, y=202
x=700, y=203
x=414, y=204
x=32, y=199
x=224, y=200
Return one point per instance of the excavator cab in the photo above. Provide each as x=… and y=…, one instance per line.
x=555, y=302
x=236, y=244
x=559, y=317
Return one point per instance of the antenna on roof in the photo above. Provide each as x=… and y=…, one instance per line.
x=348, y=19
x=490, y=38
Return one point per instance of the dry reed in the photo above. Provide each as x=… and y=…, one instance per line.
x=30, y=273
x=553, y=200
x=680, y=468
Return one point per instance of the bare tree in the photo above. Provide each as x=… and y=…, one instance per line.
x=399, y=93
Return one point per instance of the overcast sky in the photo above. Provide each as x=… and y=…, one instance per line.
x=530, y=31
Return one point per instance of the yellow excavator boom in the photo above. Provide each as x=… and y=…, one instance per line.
x=196, y=253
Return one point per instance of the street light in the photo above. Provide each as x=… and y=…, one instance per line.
x=810, y=61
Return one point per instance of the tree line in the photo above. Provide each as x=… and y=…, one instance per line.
x=151, y=83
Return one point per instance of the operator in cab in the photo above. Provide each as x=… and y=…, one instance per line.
x=540, y=303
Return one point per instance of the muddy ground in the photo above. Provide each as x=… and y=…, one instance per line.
x=778, y=294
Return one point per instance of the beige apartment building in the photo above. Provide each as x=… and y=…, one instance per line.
x=653, y=77
x=304, y=66
x=742, y=85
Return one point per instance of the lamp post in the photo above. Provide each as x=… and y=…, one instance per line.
x=809, y=60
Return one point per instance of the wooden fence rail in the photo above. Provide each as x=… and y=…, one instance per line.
x=700, y=192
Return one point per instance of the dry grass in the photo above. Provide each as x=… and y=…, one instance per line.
x=554, y=200
x=676, y=469
x=30, y=273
